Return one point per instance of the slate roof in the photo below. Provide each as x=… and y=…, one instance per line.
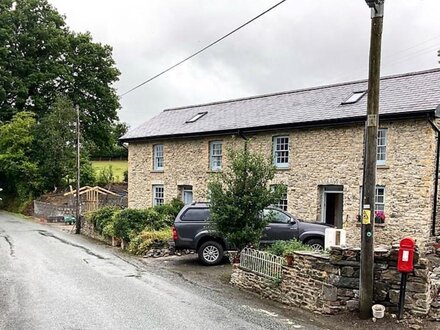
x=413, y=93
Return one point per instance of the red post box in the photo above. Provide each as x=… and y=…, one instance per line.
x=405, y=259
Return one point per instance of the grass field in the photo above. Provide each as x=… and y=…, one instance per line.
x=118, y=166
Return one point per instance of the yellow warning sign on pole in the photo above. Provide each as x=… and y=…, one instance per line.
x=366, y=217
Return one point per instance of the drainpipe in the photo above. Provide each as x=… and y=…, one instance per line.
x=437, y=163
x=244, y=137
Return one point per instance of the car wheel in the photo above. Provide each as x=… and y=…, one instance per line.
x=210, y=253
x=316, y=244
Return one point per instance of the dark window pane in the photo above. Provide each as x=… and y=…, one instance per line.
x=195, y=215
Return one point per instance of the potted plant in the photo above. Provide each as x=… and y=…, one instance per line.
x=379, y=217
x=288, y=255
x=289, y=248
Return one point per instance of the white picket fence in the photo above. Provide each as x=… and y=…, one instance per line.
x=262, y=263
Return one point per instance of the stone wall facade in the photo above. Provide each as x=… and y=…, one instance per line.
x=330, y=284
x=318, y=157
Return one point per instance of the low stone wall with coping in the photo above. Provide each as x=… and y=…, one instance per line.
x=329, y=284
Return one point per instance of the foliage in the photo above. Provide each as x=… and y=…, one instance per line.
x=88, y=174
x=44, y=70
x=170, y=210
x=284, y=248
x=115, y=149
x=19, y=174
x=118, y=167
x=106, y=176
x=130, y=222
x=55, y=147
x=102, y=217
x=379, y=217
x=40, y=58
x=239, y=194
x=148, y=239
x=126, y=176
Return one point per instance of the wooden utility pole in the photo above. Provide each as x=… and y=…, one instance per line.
x=78, y=173
x=370, y=154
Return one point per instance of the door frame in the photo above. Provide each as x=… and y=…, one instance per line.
x=324, y=199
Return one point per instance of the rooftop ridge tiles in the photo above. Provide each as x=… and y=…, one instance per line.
x=354, y=82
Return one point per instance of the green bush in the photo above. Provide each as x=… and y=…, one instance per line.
x=148, y=239
x=102, y=217
x=106, y=176
x=130, y=222
x=283, y=248
x=169, y=211
x=88, y=174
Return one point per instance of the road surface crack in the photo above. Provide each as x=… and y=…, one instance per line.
x=8, y=240
x=88, y=251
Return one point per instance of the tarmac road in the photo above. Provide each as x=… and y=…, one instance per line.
x=55, y=280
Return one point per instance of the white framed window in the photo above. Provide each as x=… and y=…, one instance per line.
x=381, y=146
x=158, y=157
x=282, y=203
x=215, y=155
x=281, y=151
x=187, y=195
x=158, y=194
x=379, y=200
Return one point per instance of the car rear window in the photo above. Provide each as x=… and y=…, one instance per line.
x=195, y=214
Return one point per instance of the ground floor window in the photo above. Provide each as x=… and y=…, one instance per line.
x=282, y=203
x=187, y=195
x=158, y=195
x=379, y=204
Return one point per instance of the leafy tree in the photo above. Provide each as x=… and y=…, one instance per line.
x=239, y=194
x=55, y=145
x=19, y=174
x=40, y=59
x=114, y=150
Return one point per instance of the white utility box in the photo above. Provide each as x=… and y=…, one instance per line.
x=335, y=237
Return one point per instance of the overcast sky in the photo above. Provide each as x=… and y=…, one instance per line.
x=299, y=44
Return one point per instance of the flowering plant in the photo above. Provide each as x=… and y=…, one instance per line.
x=379, y=217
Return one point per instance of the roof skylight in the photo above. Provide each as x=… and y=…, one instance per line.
x=355, y=97
x=196, y=117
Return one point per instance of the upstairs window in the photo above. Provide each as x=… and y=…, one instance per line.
x=281, y=151
x=355, y=97
x=215, y=155
x=158, y=157
x=158, y=195
x=381, y=146
x=196, y=117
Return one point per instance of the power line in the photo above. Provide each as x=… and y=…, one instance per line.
x=203, y=49
x=394, y=58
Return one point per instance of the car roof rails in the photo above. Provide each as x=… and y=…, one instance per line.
x=199, y=202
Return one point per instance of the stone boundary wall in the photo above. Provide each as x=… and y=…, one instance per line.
x=329, y=284
x=87, y=229
x=47, y=210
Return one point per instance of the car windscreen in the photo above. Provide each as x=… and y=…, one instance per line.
x=195, y=214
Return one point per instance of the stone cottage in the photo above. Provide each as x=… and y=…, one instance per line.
x=315, y=138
